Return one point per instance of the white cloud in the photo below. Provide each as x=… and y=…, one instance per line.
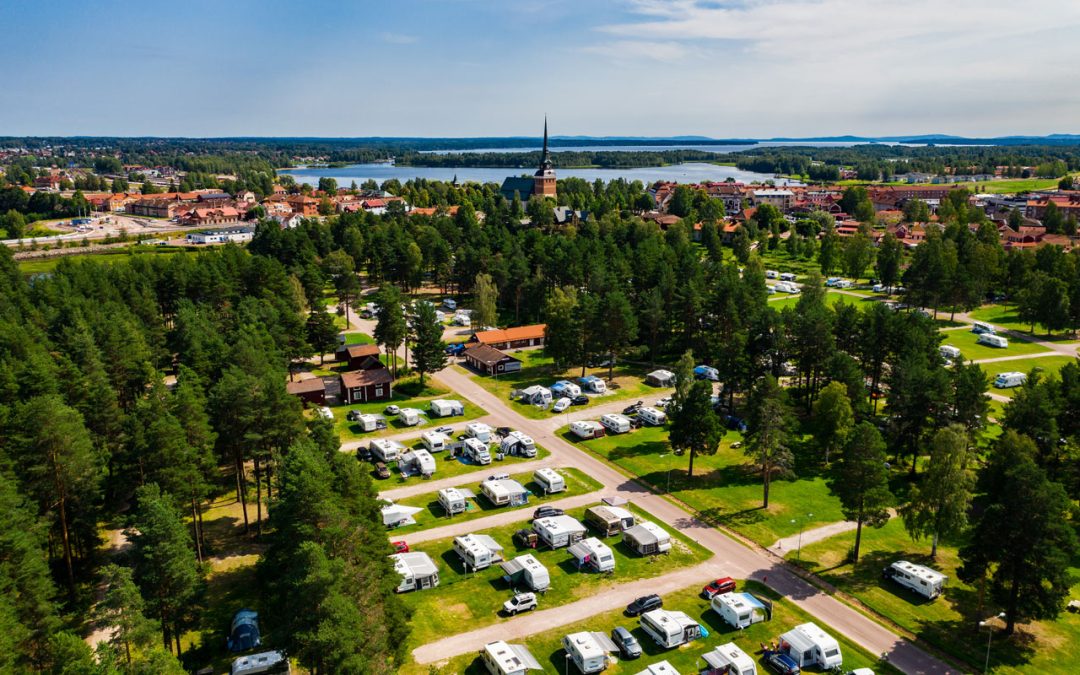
x=399, y=38
x=628, y=50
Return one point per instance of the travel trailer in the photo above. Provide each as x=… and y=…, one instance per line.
x=263, y=663
x=926, y=582
x=441, y=407
x=670, y=629
x=586, y=429
x=565, y=388
x=704, y=372
x=479, y=431
x=608, y=520
x=949, y=352
x=787, y=276
x=786, y=287
x=593, y=554
x=536, y=395
x=615, y=423
x=550, y=480
x=416, y=463
x=501, y=658
x=559, y=531
x=729, y=660
x=386, y=450
x=808, y=645
x=434, y=441
x=454, y=500
x=740, y=609
x=526, y=570
x=588, y=651
x=410, y=417
x=593, y=383
x=647, y=538
x=1010, y=380
x=504, y=492
x=659, y=668
x=476, y=450
x=477, y=551
x=991, y=340
x=981, y=328
x=517, y=444
x=417, y=570
x=370, y=422
x=651, y=416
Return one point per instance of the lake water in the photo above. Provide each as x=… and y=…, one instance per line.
x=691, y=172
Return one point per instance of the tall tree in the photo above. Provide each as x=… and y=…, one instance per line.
x=833, y=418
x=322, y=333
x=121, y=608
x=889, y=256
x=694, y=424
x=938, y=506
x=562, y=337
x=619, y=327
x=486, y=313
x=391, y=328
x=861, y=481
x=769, y=425
x=429, y=350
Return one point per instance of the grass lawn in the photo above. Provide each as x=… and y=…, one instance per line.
x=547, y=647
x=357, y=338
x=448, y=468
x=1006, y=317
x=782, y=300
x=468, y=601
x=1048, y=364
x=725, y=489
x=1010, y=186
x=538, y=368
x=950, y=622
x=971, y=350
x=779, y=260
x=40, y=265
x=577, y=483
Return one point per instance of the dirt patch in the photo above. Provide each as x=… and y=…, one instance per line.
x=459, y=609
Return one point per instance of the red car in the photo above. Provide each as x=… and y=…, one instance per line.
x=400, y=546
x=725, y=585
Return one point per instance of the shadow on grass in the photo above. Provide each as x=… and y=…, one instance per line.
x=226, y=592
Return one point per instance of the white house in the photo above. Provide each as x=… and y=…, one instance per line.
x=593, y=553
x=731, y=657
x=647, y=538
x=559, y=531
x=501, y=658
x=417, y=570
x=808, y=645
x=235, y=235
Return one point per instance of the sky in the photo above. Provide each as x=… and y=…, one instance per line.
x=431, y=68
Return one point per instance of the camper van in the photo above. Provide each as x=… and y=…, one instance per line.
x=504, y=659
x=731, y=660
x=434, y=441
x=670, y=629
x=787, y=276
x=526, y=570
x=588, y=651
x=923, y=580
x=517, y=444
x=454, y=500
x=739, y=609
x=263, y=663
x=504, y=492
x=608, y=520
x=479, y=431
x=559, y=531
x=593, y=554
x=565, y=388
x=586, y=429
x=417, y=570
x=991, y=340
x=647, y=538
x=442, y=407
x=550, y=480
x=416, y=462
x=477, y=551
x=385, y=450
x=1010, y=380
x=593, y=383
x=949, y=352
x=410, y=417
x=476, y=450
x=651, y=416
x=615, y=423
x=786, y=287
x=980, y=328
x=808, y=645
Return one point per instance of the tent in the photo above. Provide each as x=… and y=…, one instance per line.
x=244, y=631
x=396, y=515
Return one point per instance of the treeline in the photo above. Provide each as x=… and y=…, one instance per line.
x=93, y=433
x=566, y=159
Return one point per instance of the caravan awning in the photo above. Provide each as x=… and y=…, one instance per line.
x=604, y=641
x=526, y=657
x=487, y=542
x=579, y=550
x=396, y=513
x=511, y=567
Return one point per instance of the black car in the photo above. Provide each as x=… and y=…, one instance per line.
x=781, y=663
x=645, y=603
x=626, y=643
x=547, y=512
x=364, y=454
x=632, y=408
x=580, y=399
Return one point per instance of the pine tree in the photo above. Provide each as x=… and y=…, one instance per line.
x=769, y=425
x=938, y=506
x=390, y=328
x=694, y=424
x=833, y=418
x=486, y=312
x=429, y=350
x=861, y=481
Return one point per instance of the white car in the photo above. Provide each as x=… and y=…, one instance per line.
x=522, y=602
x=326, y=413
x=561, y=405
x=664, y=402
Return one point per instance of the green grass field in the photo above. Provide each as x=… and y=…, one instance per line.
x=1007, y=317
x=466, y=601
x=39, y=266
x=577, y=483
x=547, y=646
x=358, y=338
x=782, y=300
x=970, y=348
x=1047, y=364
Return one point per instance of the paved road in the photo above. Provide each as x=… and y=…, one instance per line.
x=787, y=544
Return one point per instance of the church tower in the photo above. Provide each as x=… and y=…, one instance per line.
x=544, y=178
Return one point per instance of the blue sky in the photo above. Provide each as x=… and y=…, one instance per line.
x=738, y=68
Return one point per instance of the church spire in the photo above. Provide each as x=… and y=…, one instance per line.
x=545, y=158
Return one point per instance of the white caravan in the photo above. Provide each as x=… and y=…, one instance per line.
x=386, y=450
x=739, y=609
x=434, y=441
x=504, y=492
x=528, y=571
x=615, y=423
x=550, y=480
x=808, y=645
x=594, y=554
x=1010, y=380
x=442, y=407
x=368, y=422
x=479, y=431
x=410, y=417
x=670, y=629
x=417, y=570
x=588, y=651
x=559, y=531
x=476, y=450
x=991, y=340
x=504, y=659
x=517, y=444
x=477, y=551
x=729, y=656
x=949, y=352
x=416, y=462
x=647, y=538
x=651, y=416
x=454, y=500
x=925, y=581
x=586, y=429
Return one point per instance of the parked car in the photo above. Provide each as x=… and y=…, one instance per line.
x=664, y=402
x=718, y=586
x=632, y=408
x=645, y=603
x=561, y=405
x=580, y=399
x=400, y=546
x=781, y=663
x=522, y=602
x=547, y=512
x=353, y=416
x=326, y=413
x=364, y=454
x=503, y=431
x=391, y=410
x=456, y=349
x=449, y=431
x=381, y=472
x=626, y=642
x=525, y=539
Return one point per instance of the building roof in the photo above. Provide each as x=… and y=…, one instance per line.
x=366, y=378
x=500, y=335
x=360, y=351
x=487, y=355
x=521, y=185
x=310, y=385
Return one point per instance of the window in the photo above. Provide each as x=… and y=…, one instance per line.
x=832, y=652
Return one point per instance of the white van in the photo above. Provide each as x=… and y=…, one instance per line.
x=1010, y=380
x=476, y=450
x=615, y=423
x=652, y=416
x=991, y=340
x=949, y=352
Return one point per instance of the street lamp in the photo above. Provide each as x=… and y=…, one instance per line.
x=989, y=637
x=802, y=524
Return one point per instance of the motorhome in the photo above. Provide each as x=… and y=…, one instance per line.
x=593, y=383
x=808, y=645
x=1010, y=380
x=647, y=538
x=536, y=395
x=991, y=340
x=550, y=480
x=504, y=492
x=565, y=388
x=449, y=304
x=615, y=423
x=659, y=668
x=729, y=660
x=608, y=520
x=787, y=276
x=517, y=444
x=670, y=629
x=593, y=554
x=409, y=417
x=263, y=663
x=477, y=551
x=434, y=441
x=589, y=651
x=559, y=531
x=479, y=431
x=442, y=407
x=476, y=450
x=772, y=274
x=740, y=609
x=651, y=416
x=454, y=500
x=786, y=287
x=586, y=429
x=949, y=352
x=981, y=328
x=385, y=450
x=417, y=462
x=927, y=582
x=526, y=570
x=417, y=570
x=501, y=658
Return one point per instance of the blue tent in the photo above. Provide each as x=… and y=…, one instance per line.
x=244, y=632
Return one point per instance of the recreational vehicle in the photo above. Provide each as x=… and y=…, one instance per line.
x=550, y=480
x=647, y=538
x=586, y=429
x=593, y=554
x=477, y=551
x=409, y=417
x=787, y=276
x=504, y=659
x=786, y=287
x=449, y=304
x=442, y=407
x=517, y=444
x=559, y=531
x=661, y=378
x=417, y=570
x=536, y=395
x=416, y=463
x=808, y=645
x=454, y=500
x=263, y=663
x=526, y=570
x=1010, y=380
x=670, y=629
x=729, y=660
x=434, y=441
x=504, y=492
x=706, y=373
x=593, y=383
x=991, y=340
x=659, y=668
x=615, y=423
x=476, y=450
x=370, y=422
x=651, y=416
x=608, y=520
x=565, y=388
x=949, y=352
x=588, y=651
x=479, y=431
x=740, y=609
x=385, y=450
x=923, y=580
x=981, y=328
